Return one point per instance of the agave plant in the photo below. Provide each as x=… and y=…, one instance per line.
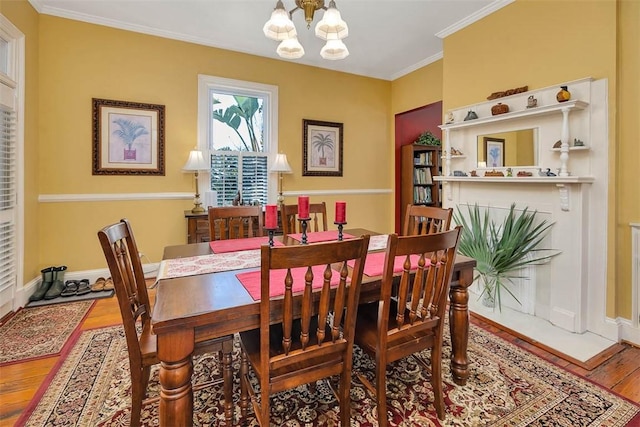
x=501, y=250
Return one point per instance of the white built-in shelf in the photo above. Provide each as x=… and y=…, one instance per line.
x=518, y=179
x=538, y=111
x=574, y=148
x=456, y=156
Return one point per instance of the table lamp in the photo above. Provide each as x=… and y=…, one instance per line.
x=195, y=163
x=280, y=165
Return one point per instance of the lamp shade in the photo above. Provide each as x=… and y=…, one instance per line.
x=196, y=162
x=279, y=27
x=290, y=49
x=334, y=49
x=332, y=23
x=281, y=164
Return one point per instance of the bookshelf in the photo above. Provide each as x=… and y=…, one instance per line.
x=420, y=163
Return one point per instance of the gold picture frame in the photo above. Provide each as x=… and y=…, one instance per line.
x=128, y=138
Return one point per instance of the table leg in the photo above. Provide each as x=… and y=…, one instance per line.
x=176, y=368
x=459, y=326
x=227, y=374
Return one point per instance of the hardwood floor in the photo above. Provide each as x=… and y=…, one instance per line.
x=20, y=382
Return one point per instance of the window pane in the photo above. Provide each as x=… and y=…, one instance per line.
x=237, y=123
x=254, y=179
x=224, y=177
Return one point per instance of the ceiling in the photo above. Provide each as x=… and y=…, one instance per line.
x=387, y=38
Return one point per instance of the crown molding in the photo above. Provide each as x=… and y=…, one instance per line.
x=430, y=60
x=485, y=11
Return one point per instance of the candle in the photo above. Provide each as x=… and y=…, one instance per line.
x=271, y=217
x=303, y=207
x=341, y=212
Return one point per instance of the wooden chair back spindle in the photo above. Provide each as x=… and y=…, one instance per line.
x=317, y=212
x=235, y=222
x=421, y=219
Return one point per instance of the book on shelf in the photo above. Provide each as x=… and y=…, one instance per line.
x=422, y=176
x=424, y=159
x=422, y=195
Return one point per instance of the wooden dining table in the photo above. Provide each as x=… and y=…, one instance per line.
x=196, y=308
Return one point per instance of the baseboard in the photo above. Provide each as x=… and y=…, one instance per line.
x=628, y=332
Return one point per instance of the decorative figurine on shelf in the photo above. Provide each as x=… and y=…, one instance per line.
x=459, y=173
x=541, y=172
x=549, y=173
x=577, y=143
x=524, y=173
x=449, y=118
x=471, y=115
x=456, y=152
x=499, y=108
x=558, y=144
x=474, y=173
x=563, y=95
x=532, y=102
x=509, y=172
x=493, y=172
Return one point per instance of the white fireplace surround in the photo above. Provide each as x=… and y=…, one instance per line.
x=569, y=291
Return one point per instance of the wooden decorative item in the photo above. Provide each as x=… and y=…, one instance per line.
x=493, y=173
x=524, y=173
x=496, y=95
x=499, y=108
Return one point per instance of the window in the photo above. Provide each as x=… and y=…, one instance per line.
x=237, y=124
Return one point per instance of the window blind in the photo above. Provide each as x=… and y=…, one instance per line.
x=7, y=197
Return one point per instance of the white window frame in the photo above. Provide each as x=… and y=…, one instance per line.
x=12, y=85
x=207, y=85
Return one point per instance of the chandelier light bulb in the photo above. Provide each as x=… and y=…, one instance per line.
x=332, y=23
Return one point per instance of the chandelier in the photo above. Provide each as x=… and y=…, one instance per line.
x=331, y=28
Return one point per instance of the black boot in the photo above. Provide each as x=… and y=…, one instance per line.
x=47, y=281
x=58, y=283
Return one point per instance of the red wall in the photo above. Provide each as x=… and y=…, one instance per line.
x=409, y=125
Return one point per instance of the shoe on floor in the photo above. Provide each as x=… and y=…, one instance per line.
x=58, y=283
x=70, y=288
x=83, y=287
x=108, y=284
x=47, y=281
x=99, y=285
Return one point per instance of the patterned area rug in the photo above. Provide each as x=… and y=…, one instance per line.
x=40, y=332
x=508, y=387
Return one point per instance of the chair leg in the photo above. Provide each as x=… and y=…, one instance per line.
x=138, y=391
x=244, y=393
x=436, y=378
x=345, y=399
x=381, y=392
x=227, y=374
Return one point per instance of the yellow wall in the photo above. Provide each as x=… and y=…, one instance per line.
x=25, y=18
x=627, y=208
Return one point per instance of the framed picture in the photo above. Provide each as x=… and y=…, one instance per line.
x=494, y=152
x=128, y=138
x=322, y=149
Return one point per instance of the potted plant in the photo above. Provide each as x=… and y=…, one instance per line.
x=501, y=249
x=129, y=131
x=427, y=138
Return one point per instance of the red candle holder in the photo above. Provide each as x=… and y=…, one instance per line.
x=271, y=231
x=303, y=227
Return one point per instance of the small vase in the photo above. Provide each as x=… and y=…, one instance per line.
x=564, y=95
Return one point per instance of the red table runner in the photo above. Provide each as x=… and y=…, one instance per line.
x=251, y=280
x=374, y=264
x=235, y=245
x=320, y=236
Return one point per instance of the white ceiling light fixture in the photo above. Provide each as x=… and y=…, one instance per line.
x=331, y=28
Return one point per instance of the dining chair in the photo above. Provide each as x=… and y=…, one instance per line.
x=317, y=212
x=121, y=252
x=235, y=222
x=307, y=334
x=409, y=316
x=420, y=219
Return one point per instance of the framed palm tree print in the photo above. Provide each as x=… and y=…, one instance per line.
x=322, y=148
x=128, y=138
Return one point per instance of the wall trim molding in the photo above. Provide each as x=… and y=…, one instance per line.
x=111, y=197
x=485, y=11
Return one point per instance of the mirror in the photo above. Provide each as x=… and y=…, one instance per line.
x=508, y=149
